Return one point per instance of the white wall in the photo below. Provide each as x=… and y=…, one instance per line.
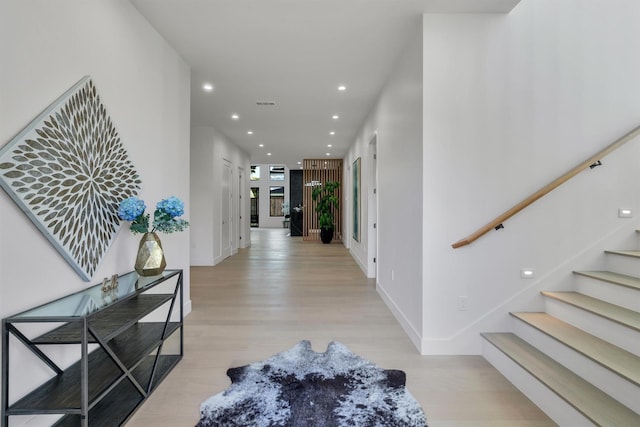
x=209, y=150
x=46, y=48
x=397, y=121
x=202, y=194
x=511, y=102
x=267, y=221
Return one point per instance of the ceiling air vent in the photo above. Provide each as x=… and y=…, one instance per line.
x=266, y=103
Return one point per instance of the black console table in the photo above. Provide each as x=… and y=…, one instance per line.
x=131, y=355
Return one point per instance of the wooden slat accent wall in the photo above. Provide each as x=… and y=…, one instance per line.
x=320, y=170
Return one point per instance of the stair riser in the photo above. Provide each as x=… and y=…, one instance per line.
x=619, y=295
x=610, y=331
x=623, y=264
x=555, y=407
x=620, y=389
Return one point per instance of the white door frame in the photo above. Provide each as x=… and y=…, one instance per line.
x=242, y=217
x=226, y=211
x=372, y=209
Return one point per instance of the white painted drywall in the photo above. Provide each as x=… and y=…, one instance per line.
x=397, y=119
x=511, y=102
x=209, y=150
x=46, y=48
x=202, y=194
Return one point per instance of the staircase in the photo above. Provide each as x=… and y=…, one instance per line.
x=580, y=360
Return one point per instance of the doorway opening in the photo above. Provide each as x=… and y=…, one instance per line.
x=255, y=207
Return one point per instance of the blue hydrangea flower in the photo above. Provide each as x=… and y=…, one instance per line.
x=131, y=208
x=173, y=206
x=164, y=217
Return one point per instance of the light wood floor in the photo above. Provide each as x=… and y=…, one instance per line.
x=282, y=290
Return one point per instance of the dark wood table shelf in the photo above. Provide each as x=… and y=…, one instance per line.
x=126, y=400
x=108, y=323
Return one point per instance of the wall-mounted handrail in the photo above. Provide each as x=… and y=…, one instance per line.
x=593, y=160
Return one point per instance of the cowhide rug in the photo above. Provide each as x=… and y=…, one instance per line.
x=302, y=388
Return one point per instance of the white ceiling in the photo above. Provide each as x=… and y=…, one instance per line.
x=295, y=53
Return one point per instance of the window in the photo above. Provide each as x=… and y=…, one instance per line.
x=255, y=173
x=276, y=200
x=276, y=173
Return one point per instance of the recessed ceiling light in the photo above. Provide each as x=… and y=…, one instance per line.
x=208, y=87
x=335, y=117
x=299, y=163
x=260, y=145
x=329, y=145
x=332, y=133
x=342, y=88
x=235, y=116
x=250, y=132
x=328, y=154
x=268, y=154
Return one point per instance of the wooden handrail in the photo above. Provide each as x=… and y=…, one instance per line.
x=497, y=222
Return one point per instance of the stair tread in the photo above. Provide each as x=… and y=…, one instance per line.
x=616, y=359
x=631, y=253
x=593, y=403
x=611, y=277
x=615, y=313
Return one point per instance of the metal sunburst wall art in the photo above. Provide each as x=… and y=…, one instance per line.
x=68, y=171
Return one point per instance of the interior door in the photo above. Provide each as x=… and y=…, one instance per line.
x=225, y=211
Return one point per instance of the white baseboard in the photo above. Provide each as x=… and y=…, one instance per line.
x=496, y=319
x=359, y=262
x=414, y=336
x=186, y=308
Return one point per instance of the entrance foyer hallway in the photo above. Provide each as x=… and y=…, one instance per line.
x=282, y=290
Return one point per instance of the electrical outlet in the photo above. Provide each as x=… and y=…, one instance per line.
x=463, y=303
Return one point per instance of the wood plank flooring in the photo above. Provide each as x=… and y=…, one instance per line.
x=282, y=290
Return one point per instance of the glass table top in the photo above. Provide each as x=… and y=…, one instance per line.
x=94, y=298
